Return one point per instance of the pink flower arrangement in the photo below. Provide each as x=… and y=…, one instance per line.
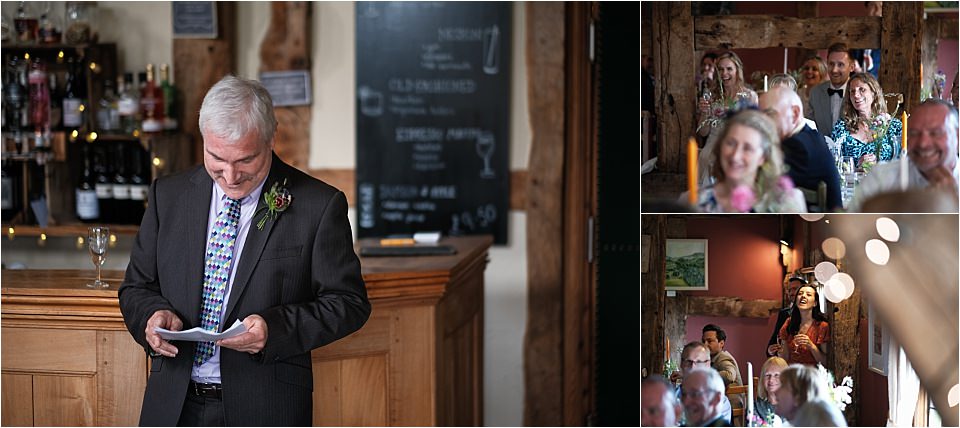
x=742, y=198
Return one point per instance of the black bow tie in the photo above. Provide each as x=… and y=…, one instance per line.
x=832, y=92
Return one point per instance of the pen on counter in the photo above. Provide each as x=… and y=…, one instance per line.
x=396, y=241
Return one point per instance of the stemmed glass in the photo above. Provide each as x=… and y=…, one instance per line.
x=485, y=145
x=97, y=239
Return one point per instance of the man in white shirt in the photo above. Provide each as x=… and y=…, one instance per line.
x=932, y=149
x=826, y=98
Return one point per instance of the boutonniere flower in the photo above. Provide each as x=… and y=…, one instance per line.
x=277, y=200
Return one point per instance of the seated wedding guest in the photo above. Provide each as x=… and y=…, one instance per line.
x=715, y=338
x=730, y=90
x=790, y=287
x=659, y=406
x=826, y=98
x=696, y=355
x=806, y=154
x=814, y=72
x=818, y=413
x=787, y=81
x=748, y=167
x=865, y=129
x=703, y=391
x=708, y=73
x=764, y=407
x=806, y=334
x=798, y=384
x=932, y=156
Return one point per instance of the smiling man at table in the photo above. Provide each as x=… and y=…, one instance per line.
x=932, y=153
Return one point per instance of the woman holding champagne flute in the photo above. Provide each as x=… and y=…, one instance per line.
x=805, y=336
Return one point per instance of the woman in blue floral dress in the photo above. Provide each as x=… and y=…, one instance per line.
x=864, y=129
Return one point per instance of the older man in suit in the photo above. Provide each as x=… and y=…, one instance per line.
x=246, y=237
x=826, y=99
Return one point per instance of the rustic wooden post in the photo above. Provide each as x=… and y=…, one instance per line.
x=675, y=310
x=805, y=9
x=674, y=68
x=543, y=343
x=653, y=306
x=286, y=47
x=200, y=63
x=900, y=36
x=844, y=357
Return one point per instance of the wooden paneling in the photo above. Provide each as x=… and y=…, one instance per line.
x=675, y=96
x=367, y=385
x=121, y=378
x=30, y=350
x=327, y=384
x=763, y=31
x=65, y=400
x=543, y=344
x=388, y=373
x=17, y=408
x=900, y=37
x=200, y=63
x=286, y=47
x=844, y=353
x=412, y=376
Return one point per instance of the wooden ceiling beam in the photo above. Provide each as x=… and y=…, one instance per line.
x=764, y=31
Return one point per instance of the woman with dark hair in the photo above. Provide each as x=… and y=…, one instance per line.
x=805, y=336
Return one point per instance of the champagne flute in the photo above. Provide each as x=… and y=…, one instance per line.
x=97, y=239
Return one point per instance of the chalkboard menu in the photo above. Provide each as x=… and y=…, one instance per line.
x=433, y=118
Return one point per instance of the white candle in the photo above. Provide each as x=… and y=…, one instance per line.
x=764, y=83
x=749, y=392
x=903, y=171
x=784, y=60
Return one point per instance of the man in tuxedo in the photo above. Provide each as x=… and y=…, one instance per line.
x=806, y=154
x=791, y=286
x=245, y=237
x=826, y=99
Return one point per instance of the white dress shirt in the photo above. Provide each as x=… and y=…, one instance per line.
x=209, y=372
x=886, y=178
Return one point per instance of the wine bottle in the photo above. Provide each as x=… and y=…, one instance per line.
x=39, y=97
x=121, y=188
x=151, y=104
x=88, y=205
x=14, y=96
x=169, y=99
x=56, y=102
x=73, y=98
x=104, y=186
x=138, y=180
x=10, y=192
x=129, y=104
x=108, y=115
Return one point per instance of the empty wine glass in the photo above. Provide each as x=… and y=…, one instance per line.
x=485, y=146
x=97, y=239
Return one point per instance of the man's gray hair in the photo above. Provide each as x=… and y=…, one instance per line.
x=657, y=379
x=234, y=108
x=952, y=118
x=714, y=381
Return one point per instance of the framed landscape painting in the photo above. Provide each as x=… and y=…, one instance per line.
x=686, y=264
x=877, y=341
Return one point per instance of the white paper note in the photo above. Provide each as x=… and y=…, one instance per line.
x=198, y=334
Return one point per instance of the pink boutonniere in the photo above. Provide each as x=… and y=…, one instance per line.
x=278, y=199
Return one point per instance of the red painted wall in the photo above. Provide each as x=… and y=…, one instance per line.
x=947, y=61
x=743, y=261
x=874, y=406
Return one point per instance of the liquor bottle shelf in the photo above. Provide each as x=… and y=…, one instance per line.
x=67, y=230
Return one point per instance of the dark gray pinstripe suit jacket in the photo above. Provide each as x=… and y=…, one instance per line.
x=299, y=273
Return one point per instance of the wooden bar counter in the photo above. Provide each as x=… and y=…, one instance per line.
x=67, y=358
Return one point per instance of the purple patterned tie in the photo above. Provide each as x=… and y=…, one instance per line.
x=216, y=273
